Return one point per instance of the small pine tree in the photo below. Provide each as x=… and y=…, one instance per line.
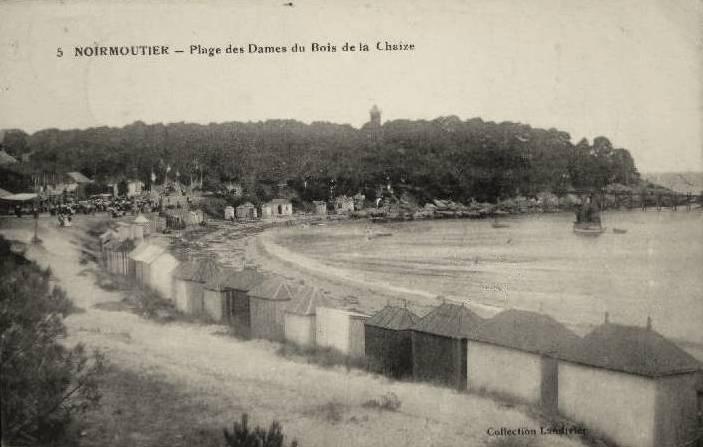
x=242, y=436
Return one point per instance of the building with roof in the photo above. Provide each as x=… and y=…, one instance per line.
x=341, y=330
x=214, y=293
x=277, y=208
x=140, y=227
x=388, y=341
x=75, y=183
x=229, y=213
x=134, y=187
x=189, y=280
x=78, y=177
x=343, y=205
x=161, y=274
x=183, y=292
x=140, y=261
x=359, y=201
x=107, y=236
x=524, y=346
x=268, y=302
x=299, y=317
x=320, y=207
x=116, y=255
x=24, y=201
x=439, y=342
x=180, y=218
x=246, y=211
x=228, y=298
x=633, y=386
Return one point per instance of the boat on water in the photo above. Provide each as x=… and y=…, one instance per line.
x=588, y=221
x=497, y=224
x=373, y=234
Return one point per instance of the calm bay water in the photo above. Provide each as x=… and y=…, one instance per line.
x=655, y=269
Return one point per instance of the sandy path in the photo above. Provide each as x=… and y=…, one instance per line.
x=232, y=376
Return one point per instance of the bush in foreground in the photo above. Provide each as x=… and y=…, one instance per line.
x=388, y=401
x=43, y=384
x=242, y=436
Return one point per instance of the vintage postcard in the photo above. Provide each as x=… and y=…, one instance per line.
x=337, y=223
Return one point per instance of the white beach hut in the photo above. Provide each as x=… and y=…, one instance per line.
x=341, y=330
x=299, y=318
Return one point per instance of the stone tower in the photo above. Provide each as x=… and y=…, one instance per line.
x=375, y=115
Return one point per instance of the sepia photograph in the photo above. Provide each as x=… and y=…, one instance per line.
x=299, y=223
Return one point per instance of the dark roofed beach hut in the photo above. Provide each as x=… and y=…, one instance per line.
x=389, y=341
x=632, y=385
x=268, y=302
x=215, y=293
x=116, y=254
x=237, y=305
x=439, y=341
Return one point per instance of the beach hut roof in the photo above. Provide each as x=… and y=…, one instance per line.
x=634, y=350
x=244, y=280
x=449, y=320
x=185, y=271
x=279, y=201
x=180, y=213
x=134, y=254
x=21, y=197
x=221, y=280
x=78, y=177
x=246, y=205
x=4, y=192
x=206, y=270
x=140, y=219
x=151, y=254
x=527, y=331
x=126, y=245
x=307, y=299
x=273, y=289
x=107, y=234
x=146, y=252
x=393, y=317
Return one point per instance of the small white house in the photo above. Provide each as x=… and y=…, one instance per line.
x=229, y=213
x=246, y=211
x=343, y=205
x=277, y=208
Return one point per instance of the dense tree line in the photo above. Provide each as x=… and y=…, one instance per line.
x=445, y=157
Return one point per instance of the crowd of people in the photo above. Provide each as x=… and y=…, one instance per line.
x=67, y=209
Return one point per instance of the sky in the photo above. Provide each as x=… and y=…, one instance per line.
x=630, y=70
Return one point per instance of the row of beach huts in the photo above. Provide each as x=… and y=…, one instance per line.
x=627, y=384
